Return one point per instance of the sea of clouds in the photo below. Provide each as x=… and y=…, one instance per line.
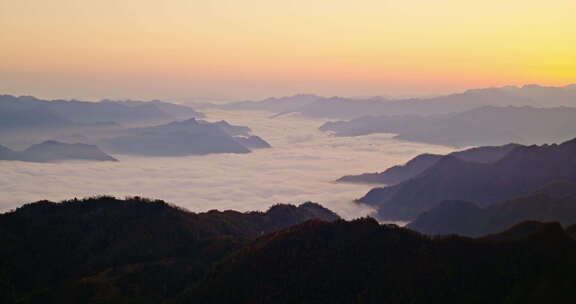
x=300, y=167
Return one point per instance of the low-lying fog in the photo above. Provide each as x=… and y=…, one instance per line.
x=299, y=168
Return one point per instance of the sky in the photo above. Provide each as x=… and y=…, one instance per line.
x=249, y=49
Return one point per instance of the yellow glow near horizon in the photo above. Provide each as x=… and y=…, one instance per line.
x=254, y=48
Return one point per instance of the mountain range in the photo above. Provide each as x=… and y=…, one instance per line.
x=555, y=202
x=179, y=138
x=125, y=127
x=487, y=125
x=26, y=112
x=105, y=250
x=137, y=250
x=364, y=262
x=348, y=108
x=422, y=162
x=523, y=170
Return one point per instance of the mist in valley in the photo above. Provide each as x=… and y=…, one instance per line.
x=301, y=166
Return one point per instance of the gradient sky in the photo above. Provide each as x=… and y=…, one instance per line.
x=237, y=49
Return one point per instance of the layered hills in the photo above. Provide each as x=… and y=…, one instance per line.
x=488, y=125
x=316, y=106
x=26, y=112
x=364, y=262
x=523, y=170
x=422, y=162
x=139, y=250
x=555, y=202
x=105, y=250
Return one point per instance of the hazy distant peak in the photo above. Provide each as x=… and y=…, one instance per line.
x=533, y=86
x=56, y=144
x=51, y=150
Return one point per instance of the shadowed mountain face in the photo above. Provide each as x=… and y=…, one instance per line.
x=396, y=174
x=51, y=151
x=556, y=202
x=481, y=126
x=523, y=170
x=364, y=262
x=105, y=249
x=422, y=162
x=189, y=137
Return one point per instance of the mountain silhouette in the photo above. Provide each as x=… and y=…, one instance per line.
x=59, y=113
x=106, y=250
x=523, y=170
x=179, y=138
x=309, y=105
x=555, y=202
x=365, y=262
x=488, y=125
x=135, y=249
x=422, y=162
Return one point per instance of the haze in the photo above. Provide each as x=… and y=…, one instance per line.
x=178, y=49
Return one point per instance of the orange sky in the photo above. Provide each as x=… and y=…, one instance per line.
x=237, y=49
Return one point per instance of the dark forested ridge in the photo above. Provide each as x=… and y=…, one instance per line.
x=106, y=250
x=364, y=262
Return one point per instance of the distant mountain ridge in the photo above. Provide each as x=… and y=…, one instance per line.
x=53, y=151
x=63, y=113
x=488, y=125
x=153, y=129
x=349, y=108
x=521, y=171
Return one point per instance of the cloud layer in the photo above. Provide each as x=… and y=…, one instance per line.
x=299, y=168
